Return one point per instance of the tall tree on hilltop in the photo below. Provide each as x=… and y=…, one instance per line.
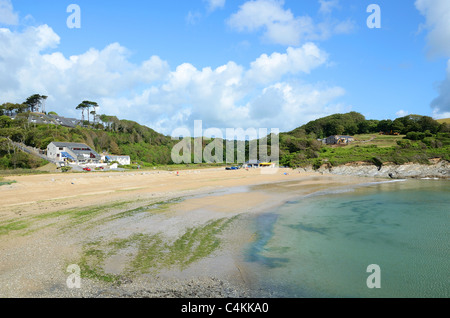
x=43, y=100
x=88, y=105
x=82, y=106
x=94, y=112
x=35, y=101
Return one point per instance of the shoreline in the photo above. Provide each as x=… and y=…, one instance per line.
x=205, y=196
x=437, y=169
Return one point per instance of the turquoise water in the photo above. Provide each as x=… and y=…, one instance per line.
x=322, y=244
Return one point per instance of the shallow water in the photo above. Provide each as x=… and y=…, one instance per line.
x=322, y=244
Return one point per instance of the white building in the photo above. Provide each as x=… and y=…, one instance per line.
x=72, y=152
x=122, y=160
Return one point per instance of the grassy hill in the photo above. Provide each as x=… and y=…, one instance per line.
x=420, y=138
x=378, y=140
x=417, y=139
x=444, y=121
x=119, y=137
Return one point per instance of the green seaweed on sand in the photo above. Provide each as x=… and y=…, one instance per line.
x=150, y=253
x=7, y=227
x=87, y=217
x=89, y=264
x=197, y=243
x=160, y=206
x=2, y=182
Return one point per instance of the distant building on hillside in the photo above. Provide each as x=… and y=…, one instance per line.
x=339, y=140
x=40, y=118
x=72, y=152
x=66, y=122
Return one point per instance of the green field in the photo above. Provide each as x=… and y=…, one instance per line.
x=444, y=121
x=380, y=149
x=376, y=139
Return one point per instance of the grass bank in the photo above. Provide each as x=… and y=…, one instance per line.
x=21, y=172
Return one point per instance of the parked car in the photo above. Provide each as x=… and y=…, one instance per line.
x=232, y=168
x=87, y=169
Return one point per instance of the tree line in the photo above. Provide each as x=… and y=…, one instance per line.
x=33, y=103
x=355, y=123
x=301, y=146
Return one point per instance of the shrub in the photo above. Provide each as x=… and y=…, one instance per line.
x=317, y=164
x=404, y=144
x=377, y=162
x=66, y=169
x=414, y=135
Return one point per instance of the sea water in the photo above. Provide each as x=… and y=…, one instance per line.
x=321, y=245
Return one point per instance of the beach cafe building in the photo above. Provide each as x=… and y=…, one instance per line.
x=259, y=164
x=72, y=152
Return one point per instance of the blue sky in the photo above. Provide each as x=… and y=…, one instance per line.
x=257, y=63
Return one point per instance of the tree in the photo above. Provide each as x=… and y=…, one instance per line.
x=86, y=105
x=89, y=105
x=428, y=123
x=114, y=148
x=94, y=112
x=5, y=121
x=336, y=124
x=385, y=125
x=398, y=126
x=21, y=108
x=94, y=105
x=444, y=128
x=35, y=101
x=363, y=127
x=82, y=106
x=94, y=117
x=43, y=99
x=10, y=108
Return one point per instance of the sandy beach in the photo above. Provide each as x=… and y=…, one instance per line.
x=132, y=230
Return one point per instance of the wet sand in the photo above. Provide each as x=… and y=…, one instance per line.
x=40, y=234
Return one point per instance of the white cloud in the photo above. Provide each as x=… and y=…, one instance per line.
x=437, y=15
x=265, y=93
x=233, y=96
x=281, y=26
x=193, y=18
x=326, y=7
x=68, y=80
x=401, y=113
x=441, y=104
x=215, y=4
x=7, y=14
x=266, y=69
x=288, y=105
